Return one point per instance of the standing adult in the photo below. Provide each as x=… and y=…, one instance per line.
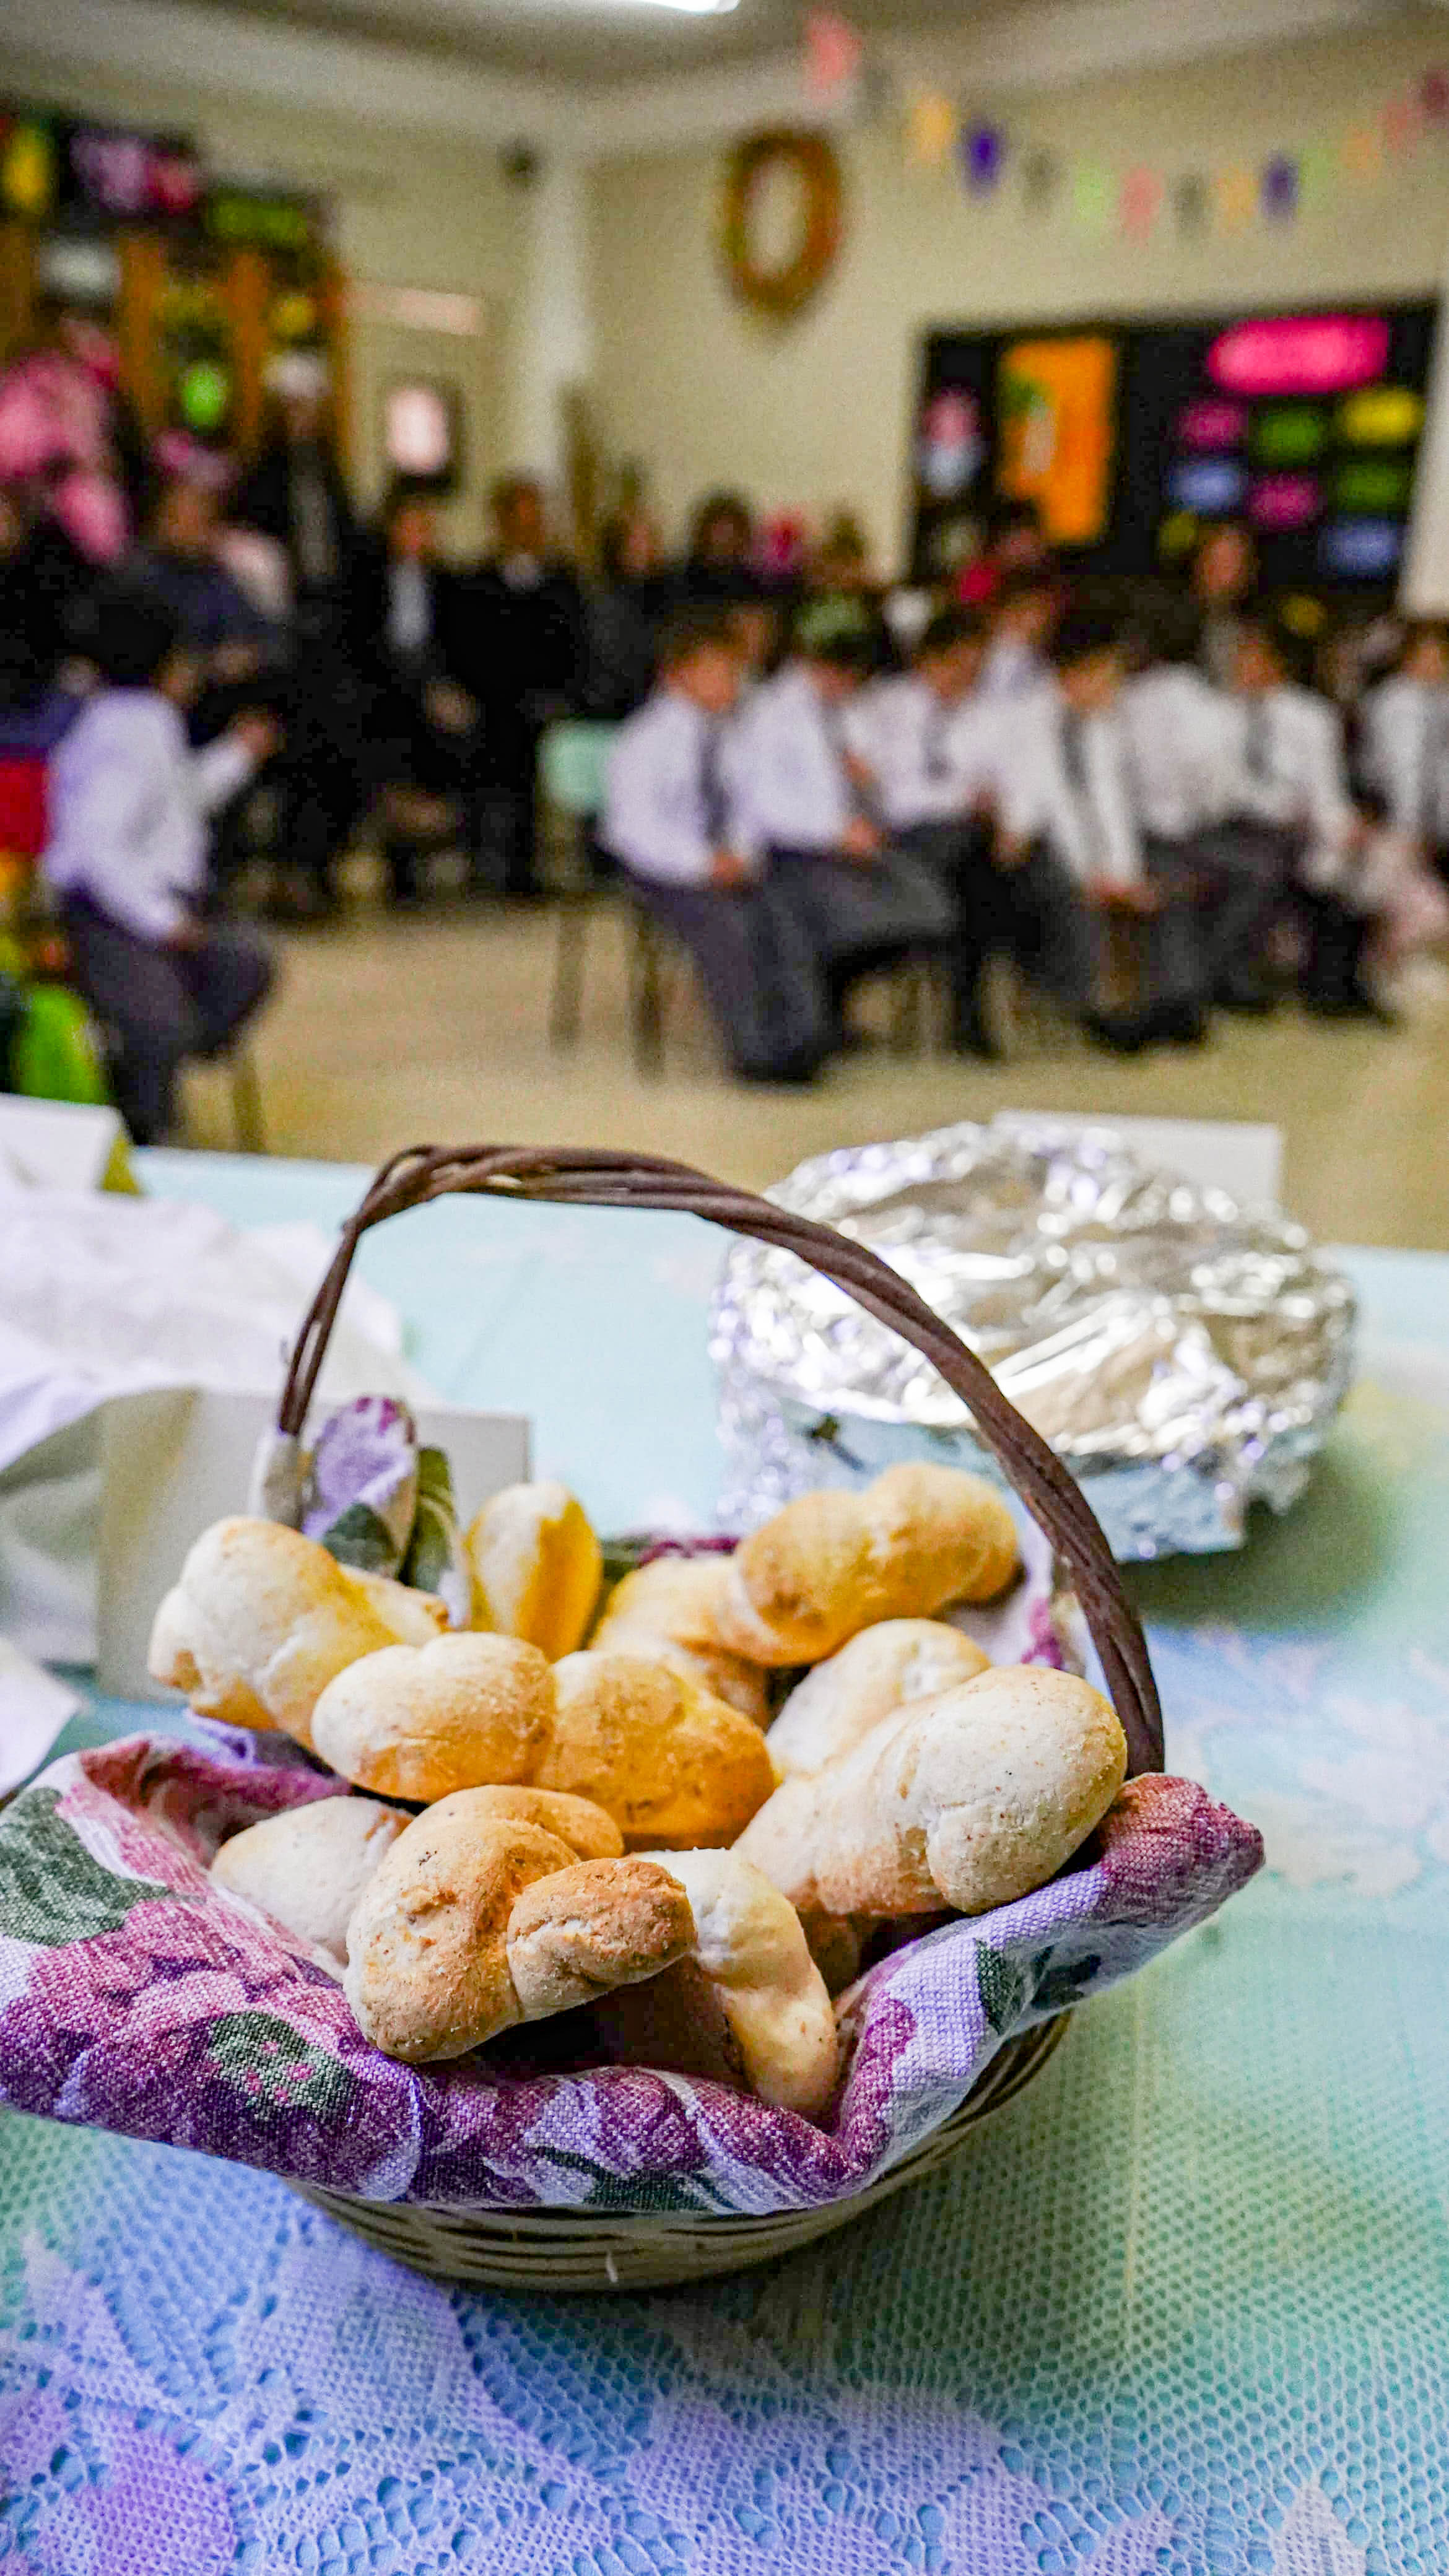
x=423, y=720
x=718, y=566
x=521, y=657
x=624, y=610
x=296, y=495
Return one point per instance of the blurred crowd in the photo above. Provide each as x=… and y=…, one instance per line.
x=812, y=775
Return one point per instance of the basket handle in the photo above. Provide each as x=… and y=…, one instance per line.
x=590, y=1177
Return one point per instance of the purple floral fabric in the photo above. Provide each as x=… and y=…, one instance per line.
x=134, y=1998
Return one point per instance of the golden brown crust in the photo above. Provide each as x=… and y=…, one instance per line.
x=670, y=1763
x=261, y=1620
x=427, y=1960
x=588, y=1831
x=537, y=1567
x=667, y=1613
x=600, y=1924
x=832, y=1563
x=418, y=1722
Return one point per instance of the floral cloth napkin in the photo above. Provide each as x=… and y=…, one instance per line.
x=134, y=1998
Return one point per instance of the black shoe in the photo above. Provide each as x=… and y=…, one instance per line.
x=1354, y=1004
x=973, y=1037
x=1178, y=1024
x=793, y=1072
x=1250, y=1000
x=1121, y=1032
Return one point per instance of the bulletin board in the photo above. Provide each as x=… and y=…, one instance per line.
x=1132, y=438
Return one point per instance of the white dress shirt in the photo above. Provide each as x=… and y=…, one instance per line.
x=799, y=795
x=654, y=817
x=1093, y=834
x=409, y=607
x=1288, y=750
x=1182, y=746
x=932, y=759
x=1406, y=754
x=128, y=806
x=1012, y=669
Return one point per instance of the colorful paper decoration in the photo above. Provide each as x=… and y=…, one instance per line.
x=833, y=52
x=1092, y=194
x=1282, y=501
x=933, y=123
x=1308, y=353
x=1403, y=122
x=1236, y=192
x=1434, y=97
x=1140, y=203
x=1317, y=171
x=1289, y=434
x=1362, y=152
x=1041, y=176
x=983, y=154
x=27, y=169
x=1213, y=424
x=1190, y=202
x=1383, y=416
x=1278, y=195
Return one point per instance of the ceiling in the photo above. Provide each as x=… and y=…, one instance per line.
x=588, y=39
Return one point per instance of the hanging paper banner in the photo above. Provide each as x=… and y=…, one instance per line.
x=983, y=154
x=1140, y=203
x=27, y=166
x=1190, y=202
x=932, y=127
x=1092, y=195
x=1278, y=195
x=1362, y=153
x=1236, y=195
x=1434, y=97
x=1041, y=176
x=1403, y=122
x=833, y=52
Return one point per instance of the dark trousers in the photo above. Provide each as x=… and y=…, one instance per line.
x=1232, y=880
x=761, y=972
x=162, y=1005
x=505, y=799
x=1041, y=921
x=959, y=857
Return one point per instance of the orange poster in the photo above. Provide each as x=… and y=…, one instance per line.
x=1057, y=404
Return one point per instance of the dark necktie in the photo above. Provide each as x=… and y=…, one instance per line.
x=859, y=802
x=714, y=803
x=1258, y=742
x=1431, y=757
x=937, y=759
x=1078, y=777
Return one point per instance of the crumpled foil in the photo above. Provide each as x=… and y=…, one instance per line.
x=1183, y=1354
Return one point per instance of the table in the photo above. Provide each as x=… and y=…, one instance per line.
x=1180, y=2308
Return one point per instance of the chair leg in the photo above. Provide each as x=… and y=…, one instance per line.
x=246, y=1102
x=648, y=997
x=908, y=1015
x=566, y=1006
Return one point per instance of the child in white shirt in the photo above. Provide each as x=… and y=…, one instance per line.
x=127, y=854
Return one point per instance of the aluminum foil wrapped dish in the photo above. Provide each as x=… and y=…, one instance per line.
x=1185, y=1355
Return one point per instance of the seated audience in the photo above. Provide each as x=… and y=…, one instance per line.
x=719, y=564
x=1199, y=846
x=1014, y=544
x=623, y=612
x=296, y=495
x=677, y=818
x=816, y=808
x=219, y=624
x=1069, y=849
x=127, y=856
x=422, y=720
x=521, y=656
x=929, y=741
x=1404, y=753
x=45, y=582
x=1224, y=582
x=840, y=568
x=1291, y=756
x=1023, y=615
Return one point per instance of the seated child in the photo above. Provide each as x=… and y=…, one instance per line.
x=127, y=856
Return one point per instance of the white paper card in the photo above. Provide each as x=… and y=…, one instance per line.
x=34, y=1707
x=63, y=1145
x=175, y=1459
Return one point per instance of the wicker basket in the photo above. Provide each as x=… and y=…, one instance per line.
x=572, y=2249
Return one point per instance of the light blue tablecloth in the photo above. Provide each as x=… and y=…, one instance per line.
x=1181, y=2308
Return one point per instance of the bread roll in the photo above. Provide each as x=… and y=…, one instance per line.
x=833, y=1563
x=971, y=1799
x=666, y=1612
x=435, y=1928
x=879, y=1671
x=748, y=1941
x=589, y=1833
x=308, y=1867
x=260, y=1622
x=536, y=1566
x=670, y=1763
x=418, y=1722
x=415, y=1618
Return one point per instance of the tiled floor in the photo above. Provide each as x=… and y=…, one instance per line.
x=434, y=1028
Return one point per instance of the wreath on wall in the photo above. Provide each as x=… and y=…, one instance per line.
x=783, y=286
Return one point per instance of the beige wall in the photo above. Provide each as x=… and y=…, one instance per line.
x=818, y=412
x=412, y=211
